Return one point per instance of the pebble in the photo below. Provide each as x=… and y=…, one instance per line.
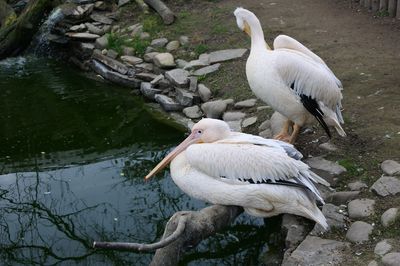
x=149, y=57
x=360, y=208
x=164, y=60
x=148, y=91
x=249, y=121
x=80, y=27
x=358, y=185
x=373, y=263
x=101, y=19
x=390, y=167
x=246, y=103
x=94, y=29
x=296, y=230
x=112, y=53
x=265, y=125
x=180, y=63
x=266, y=133
x=204, y=92
x=159, y=43
x=195, y=64
x=233, y=116
x=193, y=112
x=235, y=125
x=128, y=51
x=214, y=109
x=193, y=87
x=133, y=60
x=334, y=218
x=144, y=67
x=184, y=40
x=145, y=76
x=172, y=46
x=382, y=247
x=391, y=259
x=206, y=70
x=184, y=97
x=359, y=232
x=386, y=185
x=83, y=36
x=390, y=216
x=167, y=103
x=178, y=77
x=328, y=146
x=325, y=165
x=342, y=197
x=225, y=55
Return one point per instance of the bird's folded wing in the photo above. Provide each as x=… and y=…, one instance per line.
x=308, y=77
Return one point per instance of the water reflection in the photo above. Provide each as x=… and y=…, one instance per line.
x=72, y=160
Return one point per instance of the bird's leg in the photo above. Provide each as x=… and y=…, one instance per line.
x=284, y=133
x=295, y=133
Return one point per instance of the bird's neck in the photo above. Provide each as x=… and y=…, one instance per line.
x=257, y=36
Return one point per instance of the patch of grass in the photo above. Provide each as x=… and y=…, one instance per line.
x=200, y=49
x=153, y=24
x=138, y=45
x=219, y=29
x=382, y=13
x=352, y=168
x=116, y=42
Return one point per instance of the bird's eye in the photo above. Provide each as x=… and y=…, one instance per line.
x=199, y=131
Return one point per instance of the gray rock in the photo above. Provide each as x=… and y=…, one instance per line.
x=235, y=125
x=149, y=57
x=183, y=97
x=193, y=112
x=342, y=197
x=391, y=167
x=102, y=19
x=113, y=76
x=135, y=29
x=267, y=133
x=132, y=60
x=214, y=109
x=156, y=80
x=359, y=232
x=195, y=64
x=172, y=46
x=159, y=43
x=128, y=51
x=317, y=251
x=334, y=217
x=148, y=91
x=83, y=36
x=144, y=67
x=164, y=60
x=204, y=92
x=111, y=63
x=94, y=29
x=82, y=11
x=265, y=125
x=386, y=185
x=249, y=121
x=101, y=42
x=100, y=5
x=206, y=70
x=360, y=208
x=263, y=107
x=277, y=122
x=178, y=77
x=373, y=263
x=390, y=216
x=80, y=27
x=180, y=63
x=295, y=228
x=112, y=54
x=193, y=86
x=358, y=185
x=144, y=35
x=167, y=103
x=233, y=116
x=391, y=259
x=246, y=104
x=184, y=40
x=325, y=165
x=229, y=102
x=328, y=146
x=383, y=247
x=225, y=55
x=123, y=2
x=146, y=76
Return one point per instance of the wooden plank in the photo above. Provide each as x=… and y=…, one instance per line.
x=398, y=10
x=392, y=5
x=375, y=6
x=383, y=5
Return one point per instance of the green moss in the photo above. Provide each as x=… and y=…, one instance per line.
x=116, y=42
x=200, y=49
x=351, y=167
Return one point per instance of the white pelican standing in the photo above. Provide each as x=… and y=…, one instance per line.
x=291, y=79
x=264, y=176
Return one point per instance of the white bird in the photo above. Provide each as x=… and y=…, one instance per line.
x=291, y=79
x=264, y=176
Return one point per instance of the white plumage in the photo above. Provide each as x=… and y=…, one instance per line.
x=263, y=176
x=291, y=79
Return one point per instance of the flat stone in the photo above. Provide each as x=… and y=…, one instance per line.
x=102, y=19
x=342, y=197
x=295, y=228
x=391, y=259
x=277, y=123
x=325, y=165
x=128, y=51
x=148, y=91
x=195, y=64
x=193, y=112
x=144, y=36
x=82, y=11
x=235, y=125
x=360, y=208
x=334, y=217
x=225, y=55
x=265, y=125
x=204, y=92
x=159, y=43
x=263, y=107
x=167, y=103
x=249, y=121
x=123, y=2
x=94, y=29
x=229, y=102
x=113, y=76
x=205, y=58
x=157, y=79
x=132, y=60
x=112, y=54
x=135, y=29
x=328, y=146
x=184, y=40
x=101, y=42
x=382, y=247
x=193, y=87
x=386, y=185
x=206, y=70
x=267, y=133
x=373, y=263
x=214, y=109
x=233, y=116
x=84, y=36
x=100, y=5
x=180, y=63
x=178, y=77
x=146, y=76
x=356, y=186
x=144, y=67
x=391, y=167
x=318, y=251
x=359, y=232
x=172, y=46
x=246, y=104
x=80, y=27
x=184, y=97
x=111, y=63
x=390, y=216
x=164, y=60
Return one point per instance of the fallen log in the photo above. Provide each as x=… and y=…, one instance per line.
x=166, y=14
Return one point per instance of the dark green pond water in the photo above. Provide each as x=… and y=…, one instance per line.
x=73, y=154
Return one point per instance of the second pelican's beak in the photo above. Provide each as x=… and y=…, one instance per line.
x=191, y=139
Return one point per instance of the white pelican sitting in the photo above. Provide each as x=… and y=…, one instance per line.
x=291, y=79
x=264, y=176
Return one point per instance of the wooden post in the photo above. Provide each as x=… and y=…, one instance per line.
x=362, y=3
x=367, y=4
x=383, y=5
x=392, y=5
x=375, y=6
x=398, y=10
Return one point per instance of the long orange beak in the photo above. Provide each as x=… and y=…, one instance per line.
x=191, y=139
